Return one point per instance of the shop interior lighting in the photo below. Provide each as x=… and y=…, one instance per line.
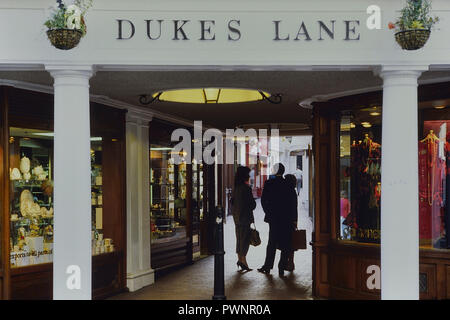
x=210, y=95
x=366, y=124
x=375, y=114
x=161, y=149
x=51, y=134
x=439, y=107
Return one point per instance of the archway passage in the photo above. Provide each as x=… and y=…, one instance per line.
x=123, y=89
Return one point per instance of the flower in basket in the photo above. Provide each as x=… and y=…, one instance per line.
x=416, y=15
x=70, y=17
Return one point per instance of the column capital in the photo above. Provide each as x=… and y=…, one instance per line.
x=398, y=70
x=60, y=70
x=139, y=118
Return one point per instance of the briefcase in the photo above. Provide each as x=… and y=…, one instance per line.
x=299, y=240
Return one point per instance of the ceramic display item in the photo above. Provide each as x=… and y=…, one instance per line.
x=26, y=203
x=25, y=165
x=48, y=233
x=43, y=211
x=26, y=195
x=15, y=174
x=25, y=208
x=46, y=213
x=34, y=228
x=27, y=176
x=39, y=173
x=38, y=170
x=35, y=210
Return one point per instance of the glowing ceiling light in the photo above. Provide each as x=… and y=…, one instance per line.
x=211, y=95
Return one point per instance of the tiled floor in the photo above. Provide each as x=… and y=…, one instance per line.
x=195, y=282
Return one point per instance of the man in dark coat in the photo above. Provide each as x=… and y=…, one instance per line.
x=279, y=204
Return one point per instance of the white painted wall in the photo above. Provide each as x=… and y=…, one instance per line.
x=24, y=39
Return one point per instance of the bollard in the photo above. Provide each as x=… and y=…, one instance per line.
x=219, y=253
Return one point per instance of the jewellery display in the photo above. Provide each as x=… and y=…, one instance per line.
x=360, y=182
x=434, y=157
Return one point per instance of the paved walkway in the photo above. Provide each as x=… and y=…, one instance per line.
x=195, y=282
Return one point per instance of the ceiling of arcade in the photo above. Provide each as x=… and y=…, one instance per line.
x=294, y=86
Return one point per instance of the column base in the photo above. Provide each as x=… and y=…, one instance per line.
x=139, y=280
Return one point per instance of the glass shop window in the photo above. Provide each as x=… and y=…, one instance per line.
x=360, y=175
x=167, y=195
x=31, y=197
x=434, y=180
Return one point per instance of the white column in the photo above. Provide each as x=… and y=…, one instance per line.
x=399, y=179
x=72, y=183
x=139, y=271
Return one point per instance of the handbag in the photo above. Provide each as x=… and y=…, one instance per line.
x=299, y=240
x=255, y=240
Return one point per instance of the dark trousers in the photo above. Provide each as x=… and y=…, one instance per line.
x=271, y=250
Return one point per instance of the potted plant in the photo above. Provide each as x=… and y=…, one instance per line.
x=67, y=25
x=414, y=25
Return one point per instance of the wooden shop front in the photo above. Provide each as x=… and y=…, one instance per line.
x=27, y=196
x=346, y=240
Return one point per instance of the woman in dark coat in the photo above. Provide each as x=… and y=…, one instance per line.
x=243, y=205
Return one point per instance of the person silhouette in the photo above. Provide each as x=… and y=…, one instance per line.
x=278, y=200
x=243, y=205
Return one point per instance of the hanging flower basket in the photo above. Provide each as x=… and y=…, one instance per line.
x=64, y=39
x=66, y=24
x=412, y=39
x=413, y=26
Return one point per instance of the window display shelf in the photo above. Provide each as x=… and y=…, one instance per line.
x=31, y=203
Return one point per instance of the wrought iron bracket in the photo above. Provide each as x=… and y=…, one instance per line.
x=145, y=100
x=275, y=98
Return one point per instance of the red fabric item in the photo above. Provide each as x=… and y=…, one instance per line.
x=431, y=180
x=345, y=207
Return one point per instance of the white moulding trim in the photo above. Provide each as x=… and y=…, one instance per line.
x=308, y=103
x=146, y=113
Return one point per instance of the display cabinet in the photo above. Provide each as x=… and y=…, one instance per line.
x=31, y=197
x=162, y=194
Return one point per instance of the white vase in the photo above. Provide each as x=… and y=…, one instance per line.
x=15, y=174
x=25, y=165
